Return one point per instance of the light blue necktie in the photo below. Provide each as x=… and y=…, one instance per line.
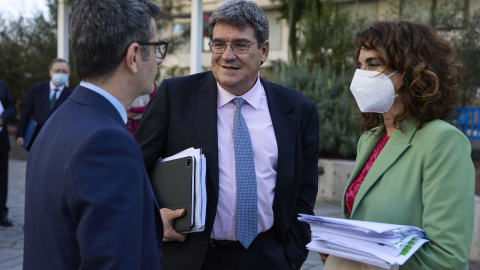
x=247, y=220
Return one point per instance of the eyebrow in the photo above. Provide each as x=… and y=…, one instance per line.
x=369, y=60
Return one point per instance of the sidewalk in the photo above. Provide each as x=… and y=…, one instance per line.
x=11, y=238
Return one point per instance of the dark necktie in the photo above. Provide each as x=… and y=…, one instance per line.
x=53, y=99
x=247, y=219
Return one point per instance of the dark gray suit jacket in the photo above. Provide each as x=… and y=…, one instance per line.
x=183, y=114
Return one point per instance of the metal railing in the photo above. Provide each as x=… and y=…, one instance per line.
x=468, y=121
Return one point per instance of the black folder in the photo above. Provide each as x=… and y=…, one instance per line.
x=30, y=134
x=173, y=184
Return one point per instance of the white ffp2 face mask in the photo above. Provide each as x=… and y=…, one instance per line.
x=373, y=91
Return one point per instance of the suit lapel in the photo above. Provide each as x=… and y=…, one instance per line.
x=204, y=108
x=397, y=144
x=284, y=127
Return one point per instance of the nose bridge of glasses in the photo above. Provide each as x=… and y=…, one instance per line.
x=232, y=46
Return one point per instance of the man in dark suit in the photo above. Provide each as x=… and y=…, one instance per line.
x=204, y=111
x=43, y=99
x=88, y=201
x=7, y=114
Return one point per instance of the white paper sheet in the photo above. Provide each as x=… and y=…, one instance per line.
x=374, y=243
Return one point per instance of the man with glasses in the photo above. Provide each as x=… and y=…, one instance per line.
x=261, y=144
x=88, y=201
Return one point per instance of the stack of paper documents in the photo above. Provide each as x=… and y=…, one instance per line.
x=374, y=243
x=179, y=182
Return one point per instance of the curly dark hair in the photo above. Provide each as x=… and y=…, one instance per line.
x=430, y=77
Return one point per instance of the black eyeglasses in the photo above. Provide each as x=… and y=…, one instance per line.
x=238, y=46
x=160, y=48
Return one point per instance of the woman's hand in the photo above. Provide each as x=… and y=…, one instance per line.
x=323, y=256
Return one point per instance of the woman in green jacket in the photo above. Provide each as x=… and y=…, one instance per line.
x=412, y=167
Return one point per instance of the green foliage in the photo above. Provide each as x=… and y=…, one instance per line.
x=27, y=49
x=292, y=12
x=327, y=35
x=442, y=14
x=335, y=104
x=28, y=45
x=466, y=43
x=321, y=69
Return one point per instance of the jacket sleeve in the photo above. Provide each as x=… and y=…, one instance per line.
x=26, y=113
x=299, y=234
x=448, y=203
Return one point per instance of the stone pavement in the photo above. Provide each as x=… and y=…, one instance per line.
x=11, y=238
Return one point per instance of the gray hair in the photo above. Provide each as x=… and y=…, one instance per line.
x=241, y=13
x=101, y=32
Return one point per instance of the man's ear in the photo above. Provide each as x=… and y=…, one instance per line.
x=132, y=57
x=265, y=50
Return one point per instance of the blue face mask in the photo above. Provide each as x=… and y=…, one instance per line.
x=59, y=78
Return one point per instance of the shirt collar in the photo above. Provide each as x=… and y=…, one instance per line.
x=109, y=97
x=52, y=86
x=252, y=96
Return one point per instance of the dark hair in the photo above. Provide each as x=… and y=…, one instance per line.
x=241, y=13
x=101, y=32
x=57, y=60
x=430, y=78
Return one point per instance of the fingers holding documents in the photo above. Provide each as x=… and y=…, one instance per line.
x=168, y=216
x=323, y=256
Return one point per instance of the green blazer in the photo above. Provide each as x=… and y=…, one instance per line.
x=425, y=178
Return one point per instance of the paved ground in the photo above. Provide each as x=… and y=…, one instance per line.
x=11, y=239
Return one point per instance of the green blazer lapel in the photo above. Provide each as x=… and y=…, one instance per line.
x=366, y=145
x=398, y=143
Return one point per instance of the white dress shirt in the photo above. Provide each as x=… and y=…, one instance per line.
x=265, y=153
x=52, y=90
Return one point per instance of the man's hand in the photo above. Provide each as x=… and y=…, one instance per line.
x=20, y=141
x=169, y=233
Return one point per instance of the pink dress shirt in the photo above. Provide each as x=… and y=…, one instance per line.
x=265, y=154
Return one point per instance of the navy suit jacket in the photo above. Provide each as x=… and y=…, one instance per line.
x=37, y=106
x=88, y=201
x=183, y=114
x=8, y=114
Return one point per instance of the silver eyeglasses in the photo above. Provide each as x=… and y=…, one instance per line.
x=238, y=46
